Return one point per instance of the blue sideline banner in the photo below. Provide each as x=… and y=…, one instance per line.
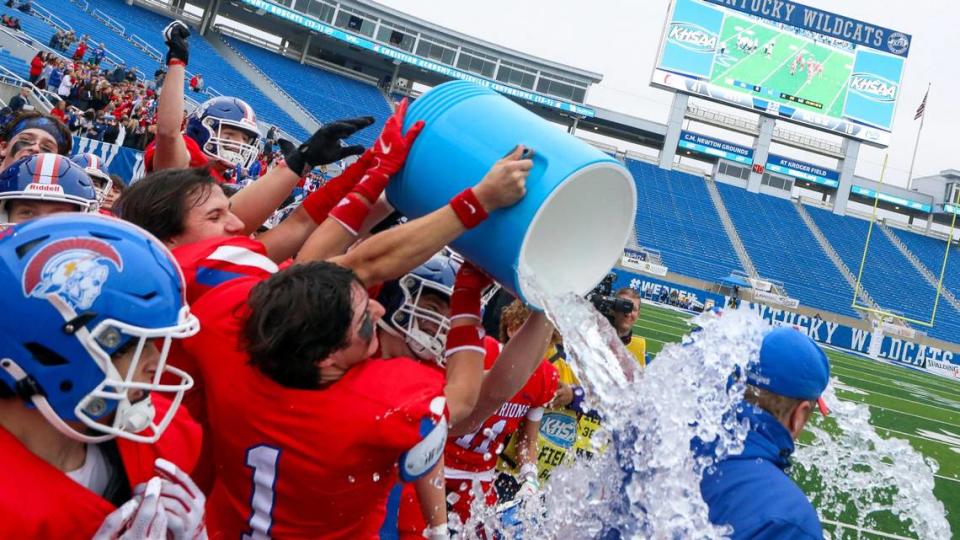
x=857, y=340
x=121, y=161
x=715, y=147
x=649, y=287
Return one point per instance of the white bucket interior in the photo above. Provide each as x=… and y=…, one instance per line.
x=581, y=229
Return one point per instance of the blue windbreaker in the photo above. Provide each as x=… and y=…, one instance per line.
x=752, y=493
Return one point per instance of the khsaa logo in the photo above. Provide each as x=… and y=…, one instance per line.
x=898, y=43
x=560, y=429
x=692, y=37
x=873, y=87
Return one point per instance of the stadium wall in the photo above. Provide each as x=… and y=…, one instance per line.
x=936, y=357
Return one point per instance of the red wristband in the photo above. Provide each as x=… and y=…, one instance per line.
x=176, y=62
x=350, y=213
x=468, y=208
x=372, y=184
x=464, y=338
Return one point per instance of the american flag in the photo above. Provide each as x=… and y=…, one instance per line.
x=923, y=105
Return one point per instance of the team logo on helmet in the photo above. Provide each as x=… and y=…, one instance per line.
x=74, y=269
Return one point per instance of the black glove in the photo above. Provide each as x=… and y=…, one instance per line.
x=175, y=36
x=323, y=147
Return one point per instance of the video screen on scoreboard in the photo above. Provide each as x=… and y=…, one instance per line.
x=731, y=55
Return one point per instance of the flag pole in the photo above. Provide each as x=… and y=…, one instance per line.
x=916, y=144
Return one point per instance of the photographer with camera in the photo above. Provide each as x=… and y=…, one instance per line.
x=622, y=310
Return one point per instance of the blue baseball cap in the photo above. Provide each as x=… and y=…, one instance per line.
x=791, y=365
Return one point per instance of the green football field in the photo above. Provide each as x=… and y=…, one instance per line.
x=772, y=73
x=921, y=408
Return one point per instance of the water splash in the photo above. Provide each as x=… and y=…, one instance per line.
x=853, y=473
x=647, y=482
x=644, y=483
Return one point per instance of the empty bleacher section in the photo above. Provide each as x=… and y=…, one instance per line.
x=327, y=95
x=144, y=27
x=887, y=276
x=930, y=253
x=783, y=248
x=676, y=216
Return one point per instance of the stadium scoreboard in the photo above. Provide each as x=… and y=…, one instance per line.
x=787, y=60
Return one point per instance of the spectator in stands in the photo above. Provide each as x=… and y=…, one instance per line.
x=19, y=101
x=111, y=130
x=80, y=50
x=10, y=22
x=60, y=111
x=66, y=84
x=118, y=74
x=36, y=66
x=97, y=55
x=751, y=491
x=271, y=140
x=196, y=83
x=623, y=323
x=56, y=40
x=68, y=39
x=26, y=6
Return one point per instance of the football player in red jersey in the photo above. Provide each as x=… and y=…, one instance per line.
x=84, y=417
x=289, y=372
x=192, y=215
x=222, y=134
x=420, y=308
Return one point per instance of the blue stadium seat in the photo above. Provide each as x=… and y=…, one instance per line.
x=887, y=276
x=204, y=59
x=930, y=252
x=783, y=248
x=676, y=216
x=327, y=95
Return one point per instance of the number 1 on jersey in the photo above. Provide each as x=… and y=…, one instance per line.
x=263, y=460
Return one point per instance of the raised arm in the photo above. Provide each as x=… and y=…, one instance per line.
x=516, y=363
x=171, y=151
x=395, y=252
x=256, y=202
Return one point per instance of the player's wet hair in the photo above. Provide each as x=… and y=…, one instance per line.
x=160, y=201
x=298, y=317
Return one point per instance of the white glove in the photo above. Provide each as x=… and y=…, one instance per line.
x=142, y=517
x=182, y=502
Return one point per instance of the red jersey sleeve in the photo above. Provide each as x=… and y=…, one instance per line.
x=197, y=158
x=215, y=261
x=549, y=381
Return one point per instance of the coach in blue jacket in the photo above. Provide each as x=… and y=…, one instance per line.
x=751, y=491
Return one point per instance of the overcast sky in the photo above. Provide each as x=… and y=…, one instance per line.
x=619, y=39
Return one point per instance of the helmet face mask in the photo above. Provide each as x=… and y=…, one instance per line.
x=227, y=150
x=424, y=330
x=206, y=126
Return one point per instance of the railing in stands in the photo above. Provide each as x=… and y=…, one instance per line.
x=11, y=78
x=271, y=46
x=139, y=43
x=213, y=91
x=109, y=22
x=82, y=3
x=45, y=14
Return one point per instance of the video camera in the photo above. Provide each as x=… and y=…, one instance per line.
x=602, y=298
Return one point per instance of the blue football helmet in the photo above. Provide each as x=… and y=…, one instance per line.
x=97, y=170
x=423, y=330
x=205, y=126
x=92, y=288
x=46, y=177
